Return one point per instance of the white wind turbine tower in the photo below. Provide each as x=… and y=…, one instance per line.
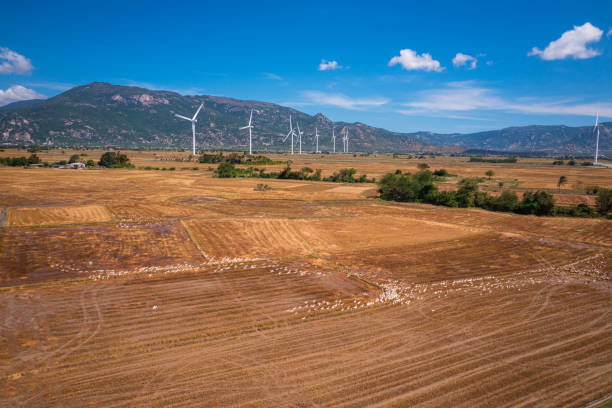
x=596, y=129
x=300, y=133
x=249, y=126
x=345, y=139
x=317, y=140
x=334, y=139
x=291, y=133
x=193, y=122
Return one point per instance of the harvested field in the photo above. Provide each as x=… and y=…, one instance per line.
x=187, y=290
x=74, y=214
x=37, y=255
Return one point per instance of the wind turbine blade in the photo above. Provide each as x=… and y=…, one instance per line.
x=251, y=118
x=182, y=117
x=198, y=111
x=245, y=127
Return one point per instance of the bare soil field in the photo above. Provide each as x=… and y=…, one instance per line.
x=31, y=216
x=122, y=288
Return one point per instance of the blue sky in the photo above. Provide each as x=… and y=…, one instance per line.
x=405, y=66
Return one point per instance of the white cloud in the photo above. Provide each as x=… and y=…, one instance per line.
x=466, y=96
x=329, y=65
x=340, y=100
x=14, y=63
x=572, y=44
x=461, y=60
x=271, y=75
x=609, y=34
x=411, y=61
x=18, y=93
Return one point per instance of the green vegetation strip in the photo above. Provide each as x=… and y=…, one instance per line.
x=420, y=188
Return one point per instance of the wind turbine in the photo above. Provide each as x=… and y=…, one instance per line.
x=316, y=140
x=300, y=133
x=291, y=133
x=345, y=139
x=193, y=122
x=334, y=139
x=249, y=126
x=596, y=128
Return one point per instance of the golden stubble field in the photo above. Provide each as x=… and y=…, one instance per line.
x=173, y=288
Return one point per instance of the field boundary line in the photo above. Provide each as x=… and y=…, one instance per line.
x=110, y=213
x=193, y=240
x=600, y=402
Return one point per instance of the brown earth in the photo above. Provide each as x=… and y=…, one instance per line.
x=150, y=288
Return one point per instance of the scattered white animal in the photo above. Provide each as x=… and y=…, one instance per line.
x=154, y=307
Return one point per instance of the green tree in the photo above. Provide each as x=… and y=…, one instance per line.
x=34, y=159
x=114, y=159
x=562, y=180
x=538, y=203
x=467, y=191
x=603, y=203
x=507, y=201
x=490, y=173
x=74, y=158
x=226, y=170
x=423, y=166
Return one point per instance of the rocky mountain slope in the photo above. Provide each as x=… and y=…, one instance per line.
x=101, y=114
x=540, y=139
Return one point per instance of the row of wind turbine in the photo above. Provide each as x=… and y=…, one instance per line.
x=294, y=135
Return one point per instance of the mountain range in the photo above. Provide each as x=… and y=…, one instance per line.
x=101, y=114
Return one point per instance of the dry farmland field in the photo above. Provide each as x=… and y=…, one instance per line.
x=126, y=288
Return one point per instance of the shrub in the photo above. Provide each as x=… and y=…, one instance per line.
x=603, y=203
x=34, y=159
x=74, y=158
x=538, y=203
x=114, y=160
x=262, y=187
x=226, y=170
x=507, y=201
x=15, y=161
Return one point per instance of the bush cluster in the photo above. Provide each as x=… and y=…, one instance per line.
x=235, y=158
x=228, y=170
x=115, y=160
x=419, y=187
x=20, y=161
x=479, y=159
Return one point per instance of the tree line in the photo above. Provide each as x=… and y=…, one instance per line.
x=419, y=187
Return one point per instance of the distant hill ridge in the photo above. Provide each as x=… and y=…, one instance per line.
x=101, y=114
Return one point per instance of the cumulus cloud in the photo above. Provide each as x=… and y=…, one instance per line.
x=572, y=44
x=468, y=96
x=18, y=93
x=14, y=63
x=461, y=60
x=329, y=65
x=609, y=34
x=411, y=61
x=340, y=100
